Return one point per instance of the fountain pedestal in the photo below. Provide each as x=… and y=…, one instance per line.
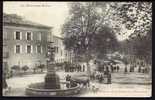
x=52, y=80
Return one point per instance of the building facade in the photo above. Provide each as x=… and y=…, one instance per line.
x=24, y=42
x=61, y=55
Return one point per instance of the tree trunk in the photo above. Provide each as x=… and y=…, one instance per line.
x=88, y=69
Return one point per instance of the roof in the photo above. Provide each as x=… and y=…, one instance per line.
x=18, y=20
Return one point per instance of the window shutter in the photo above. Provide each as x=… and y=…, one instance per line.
x=36, y=49
x=26, y=49
x=21, y=49
x=4, y=35
x=31, y=49
x=15, y=49
x=31, y=36
x=14, y=35
x=41, y=49
x=40, y=36
x=26, y=36
x=20, y=35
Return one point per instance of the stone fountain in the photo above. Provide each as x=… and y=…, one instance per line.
x=51, y=85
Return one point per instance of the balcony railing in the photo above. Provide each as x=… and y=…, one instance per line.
x=5, y=54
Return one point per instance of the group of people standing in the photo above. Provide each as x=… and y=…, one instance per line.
x=75, y=68
x=139, y=67
x=115, y=68
x=102, y=76
x=110, y=67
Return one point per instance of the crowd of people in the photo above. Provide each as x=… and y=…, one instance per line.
x=103, y=75
x=140, y=67
x=75, y=68
x=104, y=71
x=110, y=67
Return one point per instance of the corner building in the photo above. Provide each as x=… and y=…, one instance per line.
x=24, y=42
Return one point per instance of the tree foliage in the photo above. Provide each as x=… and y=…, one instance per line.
x=140, y=47
x=135, y=16
x=91, y=24
x=15, y=67
x=134, y=21
x=25, y=68
x=143, y=47
x=128, y=18
x=85, y=32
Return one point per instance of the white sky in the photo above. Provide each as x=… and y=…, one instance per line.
x=47, y=13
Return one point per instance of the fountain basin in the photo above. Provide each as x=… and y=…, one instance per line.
x=37, y=89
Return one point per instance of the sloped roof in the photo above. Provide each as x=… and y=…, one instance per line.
x=15, y=19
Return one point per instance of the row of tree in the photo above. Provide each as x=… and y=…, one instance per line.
x=25, y=68
x=92, y=28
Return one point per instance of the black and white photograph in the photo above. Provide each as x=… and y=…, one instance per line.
x=77, y=49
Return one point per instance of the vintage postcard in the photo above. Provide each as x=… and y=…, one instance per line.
x=77, y=49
